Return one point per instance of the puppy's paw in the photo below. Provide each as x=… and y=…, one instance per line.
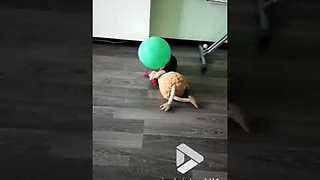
x=165, y=107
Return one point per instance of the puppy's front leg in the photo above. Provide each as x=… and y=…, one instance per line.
x=166, y=106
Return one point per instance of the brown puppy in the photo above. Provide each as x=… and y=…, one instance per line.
x=172, y=86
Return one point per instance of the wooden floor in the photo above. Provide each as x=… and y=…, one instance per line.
x=133, y=139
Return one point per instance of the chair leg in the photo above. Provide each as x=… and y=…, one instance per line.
x=204, y=51
x=203, y=60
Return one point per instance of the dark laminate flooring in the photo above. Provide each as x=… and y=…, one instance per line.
x=133, y=139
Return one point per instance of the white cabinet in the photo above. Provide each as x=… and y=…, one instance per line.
x=121, y=19
x=200, y=20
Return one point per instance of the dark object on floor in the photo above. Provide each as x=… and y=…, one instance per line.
x=172, y=64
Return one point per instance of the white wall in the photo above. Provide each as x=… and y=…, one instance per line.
x=121, y=19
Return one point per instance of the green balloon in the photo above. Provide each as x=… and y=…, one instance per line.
x=154, y=53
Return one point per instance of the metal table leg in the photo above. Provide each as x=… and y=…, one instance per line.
x=204, y=51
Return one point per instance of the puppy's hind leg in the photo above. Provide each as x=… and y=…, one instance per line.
x=190, y=99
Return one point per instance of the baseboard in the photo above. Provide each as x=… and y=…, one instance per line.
x=171, y=41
